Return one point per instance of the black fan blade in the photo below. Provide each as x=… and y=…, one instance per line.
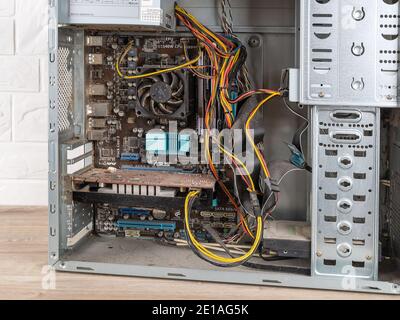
x=178, y=93
x=166, y=78
x=175, y=81
x=142, y=88
x=165, y=109
x=175, y=103
x=146, y=96
x=153, y=108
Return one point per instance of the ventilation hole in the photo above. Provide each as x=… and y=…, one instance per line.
x=360, y=154
x=329, y=196
x=359, y=198
x=360, y=176
x=330, y=240
x=322, y=50
x=322, y=36
x=359, y=220
x=328, y=262
x=322, y=15
x=347, y=116
x=322, y=25
x=322, y=60
x=331, y=153
x=368, y=133
x=65, y=92
x=330, y=218
x=358, y=242
x=331, y=174
x=390, y=37
x=321, y=70
x=358, y=264
x=346, y=137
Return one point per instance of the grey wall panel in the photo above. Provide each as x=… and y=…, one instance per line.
x=247, y=13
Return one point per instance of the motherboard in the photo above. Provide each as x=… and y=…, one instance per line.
x=122, y=112
x=139, y=128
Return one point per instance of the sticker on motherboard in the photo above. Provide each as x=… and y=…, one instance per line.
x=153, y=15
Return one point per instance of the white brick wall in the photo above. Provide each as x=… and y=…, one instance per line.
x=23, y=102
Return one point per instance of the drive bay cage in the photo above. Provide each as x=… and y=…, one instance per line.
x=321, y=210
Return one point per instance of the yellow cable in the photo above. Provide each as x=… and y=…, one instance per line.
x=210, y=254
x=238, y=161
x=250, y=138
x=201, y=26
x=141, y=76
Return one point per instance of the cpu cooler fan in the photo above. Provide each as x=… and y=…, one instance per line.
x=163, y=96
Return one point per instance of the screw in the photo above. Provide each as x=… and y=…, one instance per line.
x=321, y=94
x=254, y=42
x=369, y=258
x=319, y=254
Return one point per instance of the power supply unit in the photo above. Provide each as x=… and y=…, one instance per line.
x=154, y=14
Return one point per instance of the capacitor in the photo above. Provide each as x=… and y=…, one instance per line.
x=159, y=214
x=160, y=234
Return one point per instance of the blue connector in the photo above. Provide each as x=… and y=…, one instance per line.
x=130, y=156
x=297, y=158
x=147, y=225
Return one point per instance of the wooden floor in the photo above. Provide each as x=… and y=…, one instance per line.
x=23, y=254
